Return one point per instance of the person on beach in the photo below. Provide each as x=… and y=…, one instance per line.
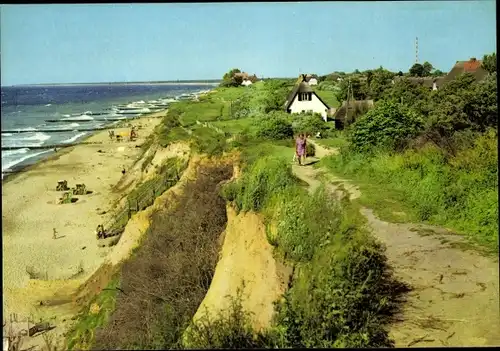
x=300, y=148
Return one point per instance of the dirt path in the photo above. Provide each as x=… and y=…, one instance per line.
x=454, y=297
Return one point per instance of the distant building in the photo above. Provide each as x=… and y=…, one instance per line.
x=347, y=113
x=472, y=66
x=311, y=79
x=429, y=82
x=246, y=78
x=303, y=99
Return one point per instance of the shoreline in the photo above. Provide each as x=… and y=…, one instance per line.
x=31, y=257
x=27, y=165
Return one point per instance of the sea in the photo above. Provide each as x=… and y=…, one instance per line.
x=34, y=117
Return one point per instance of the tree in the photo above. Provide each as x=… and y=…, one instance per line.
x=490, y=62
x=389, y=124
x=380, y=82
x=417, y=70
x=437, y=73
x=359, y=91
x=400, y=74
x=427, y=69
x=230, y=79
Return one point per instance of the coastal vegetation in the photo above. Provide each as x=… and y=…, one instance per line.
x=434, y=154
x=429, y=155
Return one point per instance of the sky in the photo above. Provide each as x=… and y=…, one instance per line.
x=84, y=43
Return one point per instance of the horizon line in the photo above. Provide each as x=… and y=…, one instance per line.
x=192, y=81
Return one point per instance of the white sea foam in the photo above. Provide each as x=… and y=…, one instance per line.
x=6, y=134
x=30, y=136
x=15, y=152
x=78, y=118
x=72, y=139
x=7, y=165
x=48, y=105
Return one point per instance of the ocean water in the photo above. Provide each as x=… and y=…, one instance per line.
x=53, y=115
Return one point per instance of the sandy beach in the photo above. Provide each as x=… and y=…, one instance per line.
x=30, y=214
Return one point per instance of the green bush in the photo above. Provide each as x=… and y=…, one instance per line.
x=230, y=329
x=274, y=128
x=340, y=297
x=267, y=176
x=309, y=123
x=388, y=125
x=310, y=150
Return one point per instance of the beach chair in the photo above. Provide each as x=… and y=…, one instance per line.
x=66, y=198
x=62, y=185
x=100, y=232
x=80, y=189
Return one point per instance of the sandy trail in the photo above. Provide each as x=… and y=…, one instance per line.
x=29, y=214
x=454, y=299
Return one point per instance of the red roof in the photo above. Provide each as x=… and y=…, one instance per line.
x=471, y=66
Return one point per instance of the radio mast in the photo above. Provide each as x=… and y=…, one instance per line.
x=416, y=50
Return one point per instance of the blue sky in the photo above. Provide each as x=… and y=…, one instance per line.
x=72, y=43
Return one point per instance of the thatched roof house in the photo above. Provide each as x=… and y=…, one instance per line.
x=429, y=82
x=472, y=66
x=346, y=115
x=302, y=98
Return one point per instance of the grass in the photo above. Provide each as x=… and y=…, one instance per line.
x=458, y=192
x=328, y=97
x=236, y=125
x=95, y=315
x=333, y=142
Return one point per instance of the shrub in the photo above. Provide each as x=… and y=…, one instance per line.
x=267, y=176
x=274, y=128
x=309, y=123
x=230, y=329
x=310, y=150
x=388, y=125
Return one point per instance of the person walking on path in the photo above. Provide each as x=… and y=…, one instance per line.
x=300, y=148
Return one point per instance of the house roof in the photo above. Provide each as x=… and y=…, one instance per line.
x=243, y=75
x=341, y=112
x=472, y=66
x=425, y=81
x=302, y=87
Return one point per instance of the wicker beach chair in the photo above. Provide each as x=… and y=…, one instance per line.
x=66, y=198
x=80, y=189
x=62, y=185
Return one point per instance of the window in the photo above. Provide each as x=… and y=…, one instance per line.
x=305, y=97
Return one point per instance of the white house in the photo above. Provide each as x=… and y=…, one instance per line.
x=303, y=99
x=313, y=81
x=246, y=82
